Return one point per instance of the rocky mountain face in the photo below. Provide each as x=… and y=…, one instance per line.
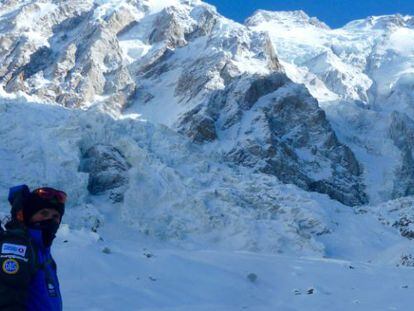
x=183, y=65
x=361, y=75
x=59, y=52
x=277, y=127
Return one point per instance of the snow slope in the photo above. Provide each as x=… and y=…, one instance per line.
x=142, y=275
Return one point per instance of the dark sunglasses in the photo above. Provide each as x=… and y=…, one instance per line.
x=51, y=194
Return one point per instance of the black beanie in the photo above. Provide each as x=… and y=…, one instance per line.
x=34, y=204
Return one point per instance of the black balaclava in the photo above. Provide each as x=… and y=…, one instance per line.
x=48, y=227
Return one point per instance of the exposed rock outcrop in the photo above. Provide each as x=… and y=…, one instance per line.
x=108, y=171
x=402, y=133
x=275, y=126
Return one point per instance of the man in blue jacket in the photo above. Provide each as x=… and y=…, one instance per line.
x=28, y=278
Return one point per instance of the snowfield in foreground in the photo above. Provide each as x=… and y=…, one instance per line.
x=133, y=273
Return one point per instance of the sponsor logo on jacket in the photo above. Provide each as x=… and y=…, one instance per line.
x=15, y=249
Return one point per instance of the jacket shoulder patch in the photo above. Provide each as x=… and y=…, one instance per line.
x=10, y=266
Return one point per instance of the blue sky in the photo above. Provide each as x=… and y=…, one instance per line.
x=335, y=13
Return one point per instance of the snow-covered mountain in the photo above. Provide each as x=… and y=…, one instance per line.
x=168, y=123
x=186, y=67
x=361, y=76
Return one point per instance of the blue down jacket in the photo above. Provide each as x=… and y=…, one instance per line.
x=28, y=278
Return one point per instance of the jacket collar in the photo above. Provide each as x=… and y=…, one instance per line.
x=36, y=236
